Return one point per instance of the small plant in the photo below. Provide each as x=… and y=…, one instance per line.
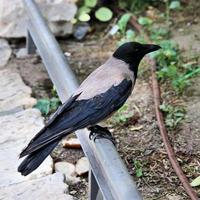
x=145, y=21
x=173, y=115
x=123, y=21
x=129, y=36
x=103, y=14
x=133, y=5
x=175, y=5
x=158, y=34
x=47, y=106
x=184, y=79
x=123, y=114
x=172, y=68
x=138, y=168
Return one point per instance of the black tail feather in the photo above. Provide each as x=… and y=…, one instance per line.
x=33, y=161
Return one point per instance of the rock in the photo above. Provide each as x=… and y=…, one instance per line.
x=5, y=52
x=59, y=14
x=174, y=197
x=9, y=162
x=20, y=126
x=47, y=188
x=15, y=133
x=71, y=143
x=21, y=53
x=59, y=20
x=14, y=93
x=73, y=192
x=82, y=166
x=68, y=170
x=81, y=31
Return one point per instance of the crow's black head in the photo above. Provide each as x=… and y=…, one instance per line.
x=133, y=52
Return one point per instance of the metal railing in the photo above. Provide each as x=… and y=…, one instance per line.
x=108, y=177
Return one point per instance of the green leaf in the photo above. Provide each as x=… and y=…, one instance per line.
x=54, y=103
x=122, y=4
x=169, y=53
x=84, y=9
x=103, y=14
x=43, y=105
x=145, y=21
x=175, y=5
x=84, y=17
x=123, y=21
x=130, y=35
x=138, y=168
x=139, y=172
x=91, y=3
x=123, y=114
x=195, y=182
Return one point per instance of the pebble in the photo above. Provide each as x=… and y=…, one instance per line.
x=14, y=93
x=5, y=52
x=21, y=53
x=81, y=30
x=50, y=187
x=59, y=13
x=68, y=170
x=73, y=192
x=82, y=166
x=173, y=197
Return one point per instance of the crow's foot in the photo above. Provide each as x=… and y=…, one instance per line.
x=97, y=132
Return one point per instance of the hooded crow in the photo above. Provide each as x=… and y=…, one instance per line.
x=102, y=93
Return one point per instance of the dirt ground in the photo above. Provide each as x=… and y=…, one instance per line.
x=139, y=138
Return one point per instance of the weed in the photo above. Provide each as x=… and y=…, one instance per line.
x=123, y=114
x=134, y=5
x=183, y=80
x=138, y=168
x=172, y=67
x=47, y=106
x=123, y=21
x=173, y=115
x=103, y=14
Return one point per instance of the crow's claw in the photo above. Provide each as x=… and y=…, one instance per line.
x=97, y=132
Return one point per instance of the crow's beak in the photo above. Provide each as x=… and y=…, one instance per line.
x=150, y=48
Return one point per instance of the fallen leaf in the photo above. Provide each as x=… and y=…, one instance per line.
x=136, y=128
x=195, y=182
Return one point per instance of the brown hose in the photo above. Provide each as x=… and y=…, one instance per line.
x=163, y=131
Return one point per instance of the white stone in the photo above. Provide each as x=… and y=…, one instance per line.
x=71, y=143
x=68, y=170
x=21, y=53
x=13, y=92
x=47, y=188
x=9, y=161
x=173, y=197
x=13, y=17
x=82, y=166
x=5, y=52
x=15, y=133
x=20, y=126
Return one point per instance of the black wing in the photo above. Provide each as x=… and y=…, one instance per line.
x=71, y=116
x=80, y=114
